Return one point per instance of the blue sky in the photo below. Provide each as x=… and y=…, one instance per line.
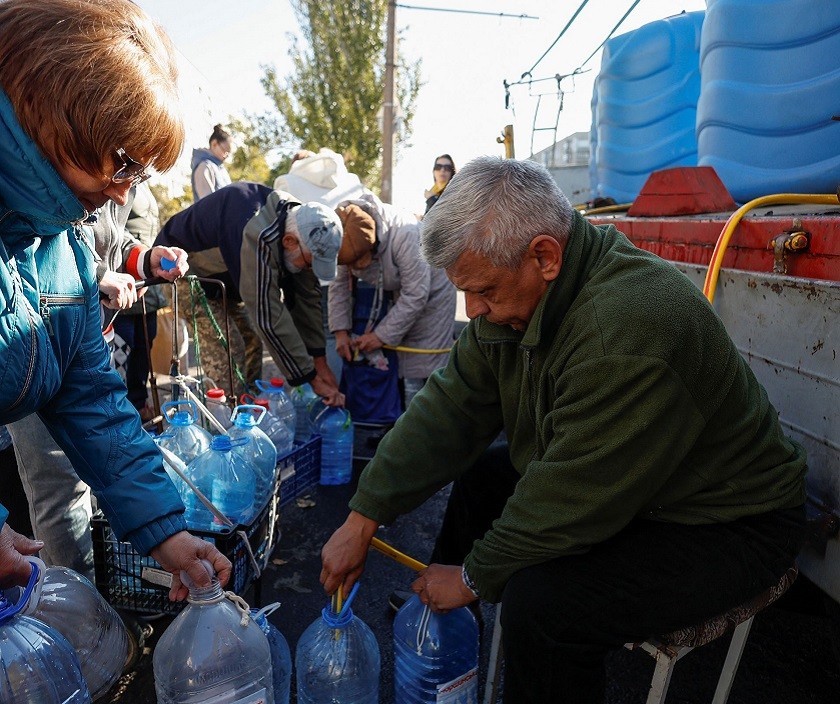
x=465, y=59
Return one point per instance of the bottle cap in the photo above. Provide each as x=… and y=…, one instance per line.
x=222, y=443
x=186, y=580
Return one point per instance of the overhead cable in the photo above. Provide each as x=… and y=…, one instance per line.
x=612, y=31
x=562, y=32
x=466, y=12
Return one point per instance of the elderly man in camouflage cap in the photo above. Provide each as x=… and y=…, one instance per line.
x=270, y=250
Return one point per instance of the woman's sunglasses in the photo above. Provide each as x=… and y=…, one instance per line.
x=444, y=167
x=130, y=171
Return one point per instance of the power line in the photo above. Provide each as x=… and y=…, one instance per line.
x=562, y=32
x=468, y=12
x=612, y=31
x=558, y=77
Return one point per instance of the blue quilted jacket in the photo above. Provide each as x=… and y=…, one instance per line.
x=53, y=358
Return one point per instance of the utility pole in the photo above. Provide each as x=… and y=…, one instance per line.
x=388, y=105
x=388, y=136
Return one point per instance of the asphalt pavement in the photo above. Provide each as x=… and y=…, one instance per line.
x=791, y=655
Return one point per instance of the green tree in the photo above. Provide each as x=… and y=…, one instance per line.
x=334, y=96
x=169, y=205
x=249, y=160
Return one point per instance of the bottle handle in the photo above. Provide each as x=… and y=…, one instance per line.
x=30, y=594
x=181, y=402
x=259, y=411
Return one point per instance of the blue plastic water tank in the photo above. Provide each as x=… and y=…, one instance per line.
x=646, y=104
x=770, y=81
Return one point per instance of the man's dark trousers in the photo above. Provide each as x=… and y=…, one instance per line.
x=561, y=617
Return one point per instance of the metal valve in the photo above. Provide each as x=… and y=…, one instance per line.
x=794, y=241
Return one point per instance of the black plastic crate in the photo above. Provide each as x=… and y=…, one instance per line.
x=300, y=469
x=129, y=581
x=135, y=583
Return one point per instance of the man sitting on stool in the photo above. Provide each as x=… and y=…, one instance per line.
x=646, y=483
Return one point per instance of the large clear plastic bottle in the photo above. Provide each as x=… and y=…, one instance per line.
x=259, y=450
x=337, y=659
x=218, y=406
x=213, y=652
x=277, y=431
x=70, y=604
x=435, y=655
x=275, y=392
x=227, y=479
x=281, y=656
x=316, y=405
x=184, y=436
x=37, y=664
x=335, y=427
x=302, y=396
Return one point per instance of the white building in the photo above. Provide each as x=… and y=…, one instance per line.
x=568, y=162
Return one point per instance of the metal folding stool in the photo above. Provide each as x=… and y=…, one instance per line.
x=670, y=648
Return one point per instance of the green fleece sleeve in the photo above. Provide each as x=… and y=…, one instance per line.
x=618, y=428
x=449, y=423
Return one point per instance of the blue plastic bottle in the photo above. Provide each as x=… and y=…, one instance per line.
x=184, y=436
x=280, y=404
x=302, y=396
x=336, y=430
x=212, y=652
x=337, y=659
x=37, y=664
x=435, y=655
x=313, y=410
x=259, y=450
x=277, y=431
x=70, y=603
x=281, y=656
x=227, y=479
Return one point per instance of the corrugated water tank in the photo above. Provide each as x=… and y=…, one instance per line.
x=770, y=85
x=645, y=103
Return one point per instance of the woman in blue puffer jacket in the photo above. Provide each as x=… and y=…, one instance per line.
x=87, y=103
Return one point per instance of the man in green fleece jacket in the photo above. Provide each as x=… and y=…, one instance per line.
x=645, y=483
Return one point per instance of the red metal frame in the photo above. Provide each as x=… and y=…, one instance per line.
x=692, y=238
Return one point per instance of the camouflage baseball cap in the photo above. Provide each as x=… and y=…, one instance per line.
x=320, y=232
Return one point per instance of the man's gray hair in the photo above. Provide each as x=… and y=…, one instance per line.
x=495, y=207
x=291, y=227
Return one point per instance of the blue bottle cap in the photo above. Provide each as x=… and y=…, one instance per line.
x=222, y=443
x=181, y=418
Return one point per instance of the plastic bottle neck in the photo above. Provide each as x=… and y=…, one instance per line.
x=206, y=595
x=334, y=620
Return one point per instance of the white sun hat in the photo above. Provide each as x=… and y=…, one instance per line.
x=322, y=177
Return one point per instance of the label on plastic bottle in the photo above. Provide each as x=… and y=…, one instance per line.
x=461, y=690
x=156, y=576
x=230, y=698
